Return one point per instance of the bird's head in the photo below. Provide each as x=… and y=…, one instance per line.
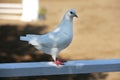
x=71, y=13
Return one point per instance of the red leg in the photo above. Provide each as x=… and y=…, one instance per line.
x=59, y=62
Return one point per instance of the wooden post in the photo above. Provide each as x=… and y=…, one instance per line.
x=30, y=10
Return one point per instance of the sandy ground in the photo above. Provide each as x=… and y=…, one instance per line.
x=96, y=31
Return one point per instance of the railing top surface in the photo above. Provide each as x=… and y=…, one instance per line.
x=49, y=68
x=51, y=64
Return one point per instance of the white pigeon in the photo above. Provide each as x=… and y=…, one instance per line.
x=55, y=41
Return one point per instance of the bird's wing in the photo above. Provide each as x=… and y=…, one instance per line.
x=46, y=40
x=43, y=42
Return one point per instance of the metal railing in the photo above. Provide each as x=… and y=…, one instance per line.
x=49, y=68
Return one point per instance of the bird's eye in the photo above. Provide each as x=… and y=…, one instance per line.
x=71, y=12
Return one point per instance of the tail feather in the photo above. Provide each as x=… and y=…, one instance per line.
x=24, y=38
x=32, y=35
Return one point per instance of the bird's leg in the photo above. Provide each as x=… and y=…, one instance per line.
x=58, y=62
x=54, y=53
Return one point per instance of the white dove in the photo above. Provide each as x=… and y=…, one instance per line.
x=55, y=41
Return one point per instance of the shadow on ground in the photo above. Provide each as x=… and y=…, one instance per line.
x=14, y=50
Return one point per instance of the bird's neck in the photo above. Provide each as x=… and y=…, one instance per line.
x=66, y=22
x=67, y=18
x=66, y=25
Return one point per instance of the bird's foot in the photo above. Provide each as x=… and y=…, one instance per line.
x=58, y=62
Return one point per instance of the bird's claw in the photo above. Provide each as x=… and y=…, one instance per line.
x=57, y=62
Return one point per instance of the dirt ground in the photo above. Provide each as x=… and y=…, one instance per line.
x=96, y=31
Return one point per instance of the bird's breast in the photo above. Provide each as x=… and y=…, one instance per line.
x=64, y=40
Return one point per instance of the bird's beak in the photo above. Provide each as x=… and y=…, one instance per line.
x=76, y=16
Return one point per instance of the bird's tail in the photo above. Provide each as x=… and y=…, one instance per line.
x=24, y=38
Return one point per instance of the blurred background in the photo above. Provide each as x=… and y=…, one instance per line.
x=96, y=33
